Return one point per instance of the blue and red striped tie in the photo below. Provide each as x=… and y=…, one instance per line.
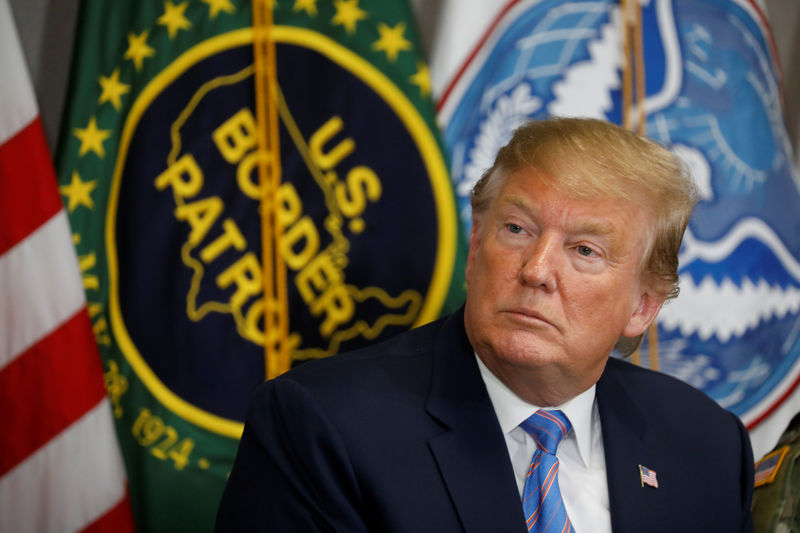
x=541, y=497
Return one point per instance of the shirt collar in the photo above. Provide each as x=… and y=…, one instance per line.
x=512, y=410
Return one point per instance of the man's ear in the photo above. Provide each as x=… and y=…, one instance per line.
x=474, y=245
x=643, y=315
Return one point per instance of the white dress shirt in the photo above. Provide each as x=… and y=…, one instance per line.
x=582, y=465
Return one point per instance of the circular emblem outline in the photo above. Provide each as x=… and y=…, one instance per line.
x=423, y=138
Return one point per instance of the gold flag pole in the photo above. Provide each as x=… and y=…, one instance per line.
x=633, y=71
x=626, y=6
x=276, y=320
x=634, y=93
x=638, y=56
x=641, y=129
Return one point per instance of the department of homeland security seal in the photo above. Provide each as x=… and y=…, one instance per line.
x=369, y=236
x=712, y=98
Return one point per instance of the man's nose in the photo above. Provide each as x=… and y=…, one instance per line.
x=540, y=263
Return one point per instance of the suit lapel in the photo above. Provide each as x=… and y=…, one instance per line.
x=628, y=443
x=471, y=452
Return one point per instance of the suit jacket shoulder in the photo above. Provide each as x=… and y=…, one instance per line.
x=701, y=454
x=400, y=436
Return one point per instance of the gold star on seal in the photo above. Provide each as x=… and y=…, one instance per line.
x=348, y=14
x=174, y=19
x=138, y=49
x=215, y=6
x=309, y=6
x=78, y=193
x=92, y=138
x=391, y=40
x=422, y=79
x=113, y=89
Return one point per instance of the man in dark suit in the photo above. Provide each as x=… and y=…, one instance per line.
x=574, y=245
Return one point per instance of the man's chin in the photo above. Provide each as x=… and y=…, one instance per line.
x=527, y=351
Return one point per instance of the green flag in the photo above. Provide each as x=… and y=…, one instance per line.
x=159, y=165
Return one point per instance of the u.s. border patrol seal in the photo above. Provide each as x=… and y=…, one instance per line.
x=368, y=237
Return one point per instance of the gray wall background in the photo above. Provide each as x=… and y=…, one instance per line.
x=46, y=29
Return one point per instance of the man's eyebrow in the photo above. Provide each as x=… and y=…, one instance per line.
x=593, y=227
x=519, y=202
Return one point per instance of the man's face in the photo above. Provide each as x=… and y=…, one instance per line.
x=553, y=281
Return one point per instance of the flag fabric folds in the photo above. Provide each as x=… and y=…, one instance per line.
x=711, y=92
x=60, y=466
x=250, y=189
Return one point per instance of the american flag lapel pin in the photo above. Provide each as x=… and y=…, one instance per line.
x=648, y=476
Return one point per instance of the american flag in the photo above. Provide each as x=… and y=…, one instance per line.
x=60, y=467
x=766, y=468
x=648, y=476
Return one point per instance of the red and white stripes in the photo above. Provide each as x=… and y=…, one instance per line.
x=60, y=464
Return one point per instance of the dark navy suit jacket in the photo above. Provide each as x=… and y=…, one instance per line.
x=402, y=437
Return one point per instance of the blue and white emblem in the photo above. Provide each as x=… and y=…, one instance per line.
x=713, y=98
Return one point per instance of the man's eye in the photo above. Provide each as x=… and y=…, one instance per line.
x=514, y=228
x=585, y=251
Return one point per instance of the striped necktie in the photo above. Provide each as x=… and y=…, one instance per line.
x=541, y=497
